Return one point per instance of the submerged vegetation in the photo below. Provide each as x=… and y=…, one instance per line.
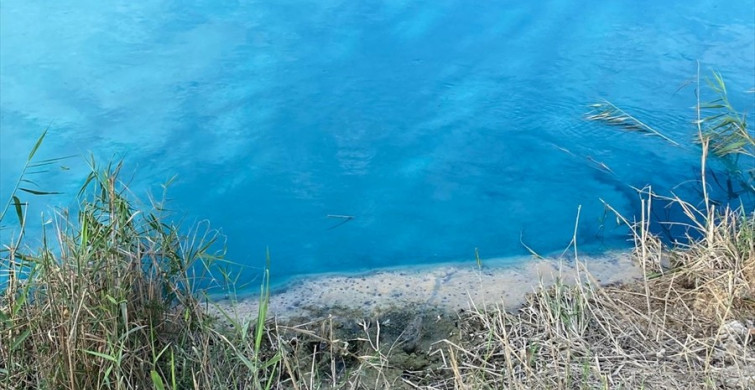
x=111, y=299
x=607, y=112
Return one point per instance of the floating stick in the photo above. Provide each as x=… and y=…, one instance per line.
x=343, y=218
x=340, y=216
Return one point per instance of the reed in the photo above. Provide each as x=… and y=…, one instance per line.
x=688, y=323
x=110, y=300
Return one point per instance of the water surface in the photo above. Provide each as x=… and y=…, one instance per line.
x=440, y=126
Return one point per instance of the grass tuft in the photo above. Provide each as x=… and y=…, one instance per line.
x=109, y=301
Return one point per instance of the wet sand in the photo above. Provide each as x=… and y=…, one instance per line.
x=502, y=282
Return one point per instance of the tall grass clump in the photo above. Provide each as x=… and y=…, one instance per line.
x=110, y=299
x=688, y=323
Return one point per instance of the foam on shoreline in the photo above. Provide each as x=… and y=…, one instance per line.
x=450, y=287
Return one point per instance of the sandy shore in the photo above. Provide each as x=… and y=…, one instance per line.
x=451, y=287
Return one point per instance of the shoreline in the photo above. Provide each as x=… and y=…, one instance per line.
x=502, y=282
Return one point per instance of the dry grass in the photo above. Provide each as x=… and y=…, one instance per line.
x=691, y=327
x=689, y=323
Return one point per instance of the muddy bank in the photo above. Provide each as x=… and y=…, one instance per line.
x=387, y=329
x=504, y=282
x=426, y=328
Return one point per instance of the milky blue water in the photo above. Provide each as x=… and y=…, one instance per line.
x=440, y=126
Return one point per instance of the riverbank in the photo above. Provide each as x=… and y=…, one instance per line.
x=623, y=322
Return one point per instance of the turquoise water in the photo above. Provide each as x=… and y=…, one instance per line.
x=440, y=126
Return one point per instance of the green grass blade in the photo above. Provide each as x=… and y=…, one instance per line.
x=35, y=192
x=102, y=355
x=264, y=301
x=36, y=145
x=157, y=380
x=173, y=369
x=20, y=339
x=19, y=212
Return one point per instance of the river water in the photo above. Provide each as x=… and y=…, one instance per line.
x=357, y=135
